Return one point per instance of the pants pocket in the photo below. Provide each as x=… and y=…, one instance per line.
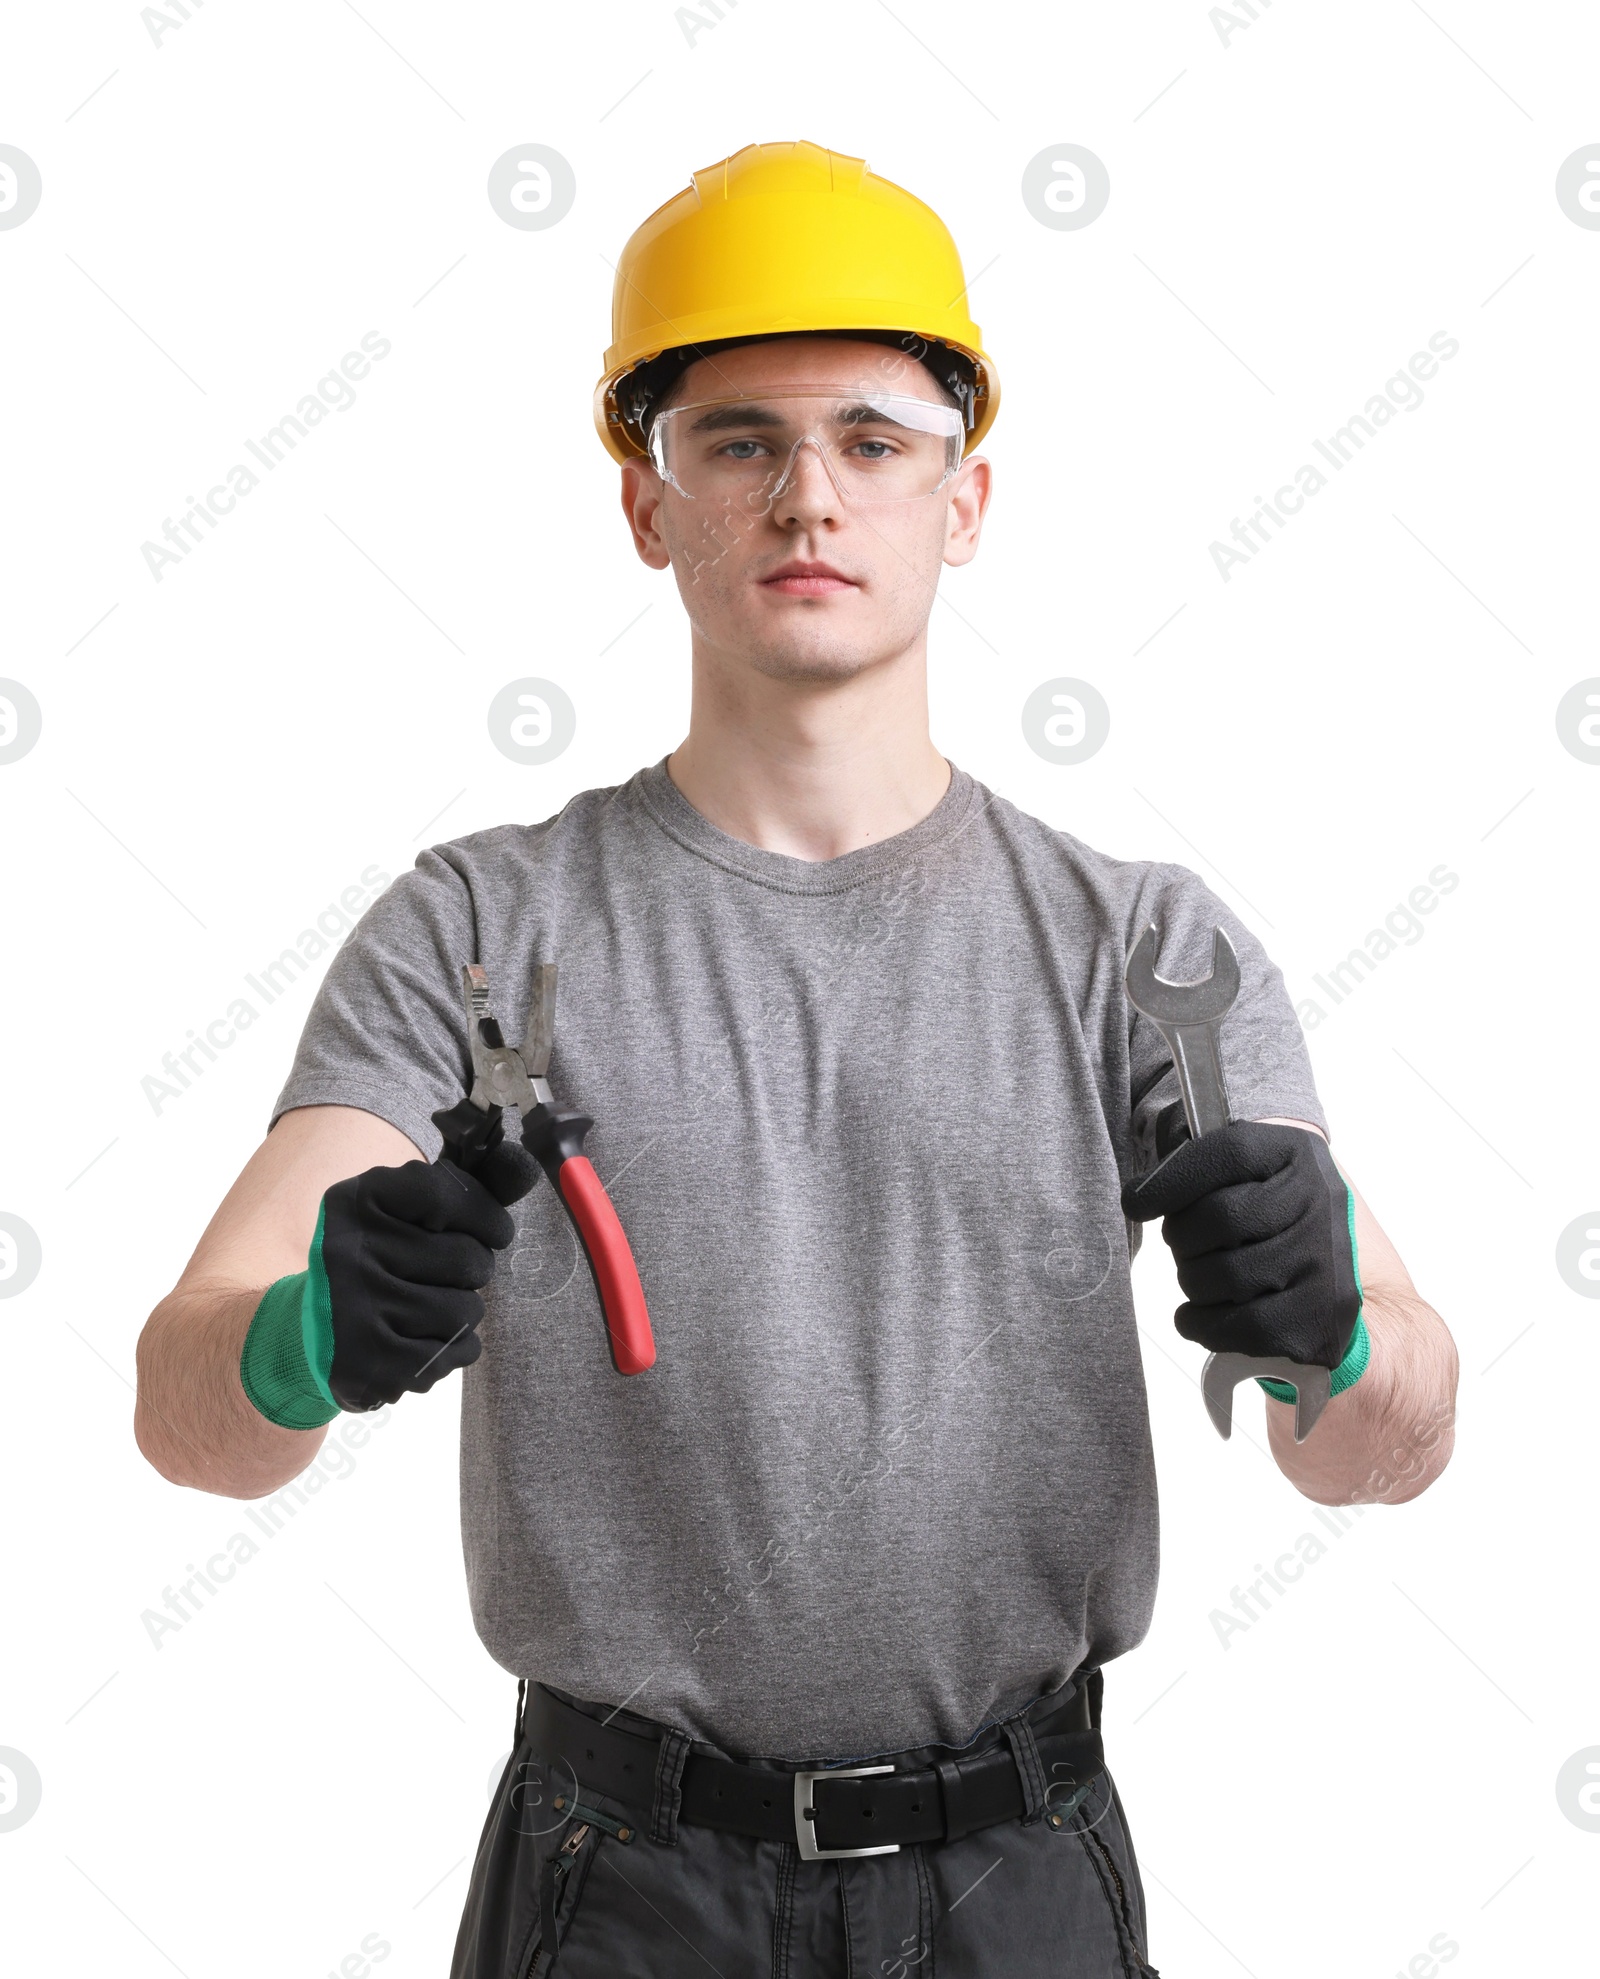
x=499, y=1934
x=1034, y=1901
x=1099, y=1828
x=562, y=1878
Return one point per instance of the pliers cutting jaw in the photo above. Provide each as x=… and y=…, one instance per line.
x=501, y=1075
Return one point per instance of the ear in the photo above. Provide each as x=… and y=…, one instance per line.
x=969, y=499
x=641, y=504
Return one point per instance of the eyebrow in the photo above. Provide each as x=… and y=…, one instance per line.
x=717, y=418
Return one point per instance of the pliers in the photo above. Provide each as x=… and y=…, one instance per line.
x=503, y=1076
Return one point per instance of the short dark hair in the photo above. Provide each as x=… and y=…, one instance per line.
x=648, y=387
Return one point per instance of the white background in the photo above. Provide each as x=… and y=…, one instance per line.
x=1294, y=211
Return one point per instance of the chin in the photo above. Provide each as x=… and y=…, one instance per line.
x=809, y=663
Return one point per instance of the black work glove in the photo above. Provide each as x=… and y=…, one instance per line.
x=407, y=1252
x=1258, y=1221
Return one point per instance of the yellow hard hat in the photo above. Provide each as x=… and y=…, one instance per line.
x=783, y=238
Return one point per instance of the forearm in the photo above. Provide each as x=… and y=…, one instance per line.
x=1387, y=1438
x=193, y=1420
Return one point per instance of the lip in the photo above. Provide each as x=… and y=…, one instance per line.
x=802, y=579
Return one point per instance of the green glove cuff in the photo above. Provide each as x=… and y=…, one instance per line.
x=1357, y=1354
x=288, y=1351
x=1345, y=1375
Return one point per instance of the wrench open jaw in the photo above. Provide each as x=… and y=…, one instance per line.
x=1223, y=1373
x=1189, y=1016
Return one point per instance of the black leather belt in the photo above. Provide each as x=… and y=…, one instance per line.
x=832, y=1811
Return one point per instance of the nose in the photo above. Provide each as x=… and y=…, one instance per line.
x=807, y=493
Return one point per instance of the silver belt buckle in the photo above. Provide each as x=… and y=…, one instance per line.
x=805, y=1815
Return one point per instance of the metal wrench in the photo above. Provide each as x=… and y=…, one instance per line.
x=1189, y=1016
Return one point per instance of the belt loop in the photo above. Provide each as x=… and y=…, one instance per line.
x=953, y=1792
x=675, y=1746
x=1030, y=1768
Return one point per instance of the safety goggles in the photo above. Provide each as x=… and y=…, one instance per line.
x=876, y=446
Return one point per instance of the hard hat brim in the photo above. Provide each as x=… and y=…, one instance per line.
x=623, y=444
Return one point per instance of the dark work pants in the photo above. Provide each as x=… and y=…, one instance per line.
x=1022, y=1899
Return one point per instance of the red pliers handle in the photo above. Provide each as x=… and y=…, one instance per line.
x=553, y=1135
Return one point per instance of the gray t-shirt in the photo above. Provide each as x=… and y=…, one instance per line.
x=865, y=1122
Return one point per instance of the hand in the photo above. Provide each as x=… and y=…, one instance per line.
x=407, y=1252
x=1258, y=1220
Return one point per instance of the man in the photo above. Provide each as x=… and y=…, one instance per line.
x=880, y=1126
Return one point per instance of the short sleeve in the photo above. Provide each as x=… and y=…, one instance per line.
x=387, y=1032
x=1264, y=1057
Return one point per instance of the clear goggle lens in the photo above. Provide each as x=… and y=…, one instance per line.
x=876, y=446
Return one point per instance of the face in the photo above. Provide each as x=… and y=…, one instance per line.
x=809, y=581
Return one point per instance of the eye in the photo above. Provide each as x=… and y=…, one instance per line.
x=873, y=450
x=742, y=450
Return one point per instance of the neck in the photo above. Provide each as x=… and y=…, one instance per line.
x=810, y=767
